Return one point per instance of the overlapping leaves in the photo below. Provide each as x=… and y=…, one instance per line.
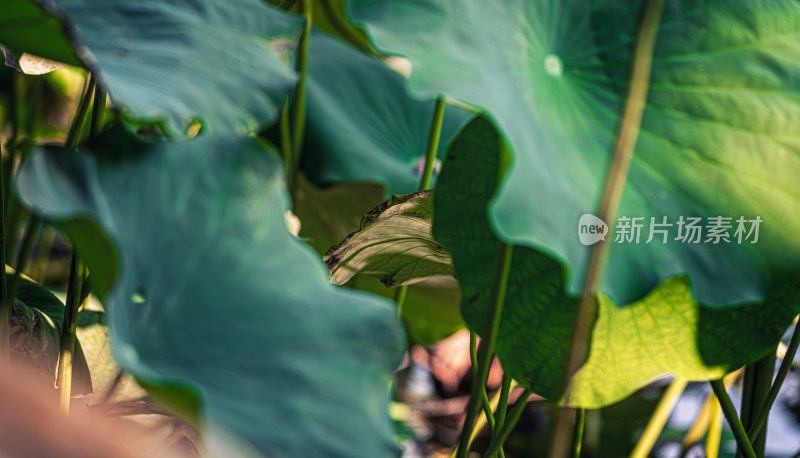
x=226, y=65
x=718, y=136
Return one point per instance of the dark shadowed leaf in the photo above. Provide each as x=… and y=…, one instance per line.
x=216, y=296
x=27, y=27
x=666, y=331
x=394, y=244
x=36, y=321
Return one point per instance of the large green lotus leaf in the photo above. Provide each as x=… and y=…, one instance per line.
x=27, y=27
x=225, y=64
x=363, y=125
x=394, y=244
x=718, y=136
x=215, y=295
x=667, y=331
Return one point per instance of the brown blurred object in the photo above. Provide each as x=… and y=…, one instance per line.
x=439, y=418
x=32, y=426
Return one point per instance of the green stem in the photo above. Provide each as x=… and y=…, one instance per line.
x=286, y=147
x=783, y=370
x=298, y=110
x=756, y=392
x=98, y=111
x=486, y=351
x=577, y=436
x=400, y=298
x=80, y=116
x=733, y=420
x=502, y=405
x=434, y=135
x=433, y=144
x=473, y=358
x=513, y=417
x=31, y=229
x=5, y=303
x=68, y=330
x=659, y=418
x=609, y=205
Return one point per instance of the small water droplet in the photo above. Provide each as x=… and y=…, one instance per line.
x=138, y=298
x=553, y=65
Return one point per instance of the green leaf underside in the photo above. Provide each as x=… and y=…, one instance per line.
x=718, y=137
x=36, y=323
x=30, y=64
x=214, y=294
x=224, y=64
x=363, y=125
x=665, y=332
x=26, y=26
x=394, y=244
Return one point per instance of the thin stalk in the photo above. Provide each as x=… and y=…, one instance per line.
x=757, y=391
x=80, y=116
x=400, y=298
x=98, y=110
x=577, y=437
x=609, y=205
x=513, y=417
x=481, y=422
x=659, y=418
x=113, y=387
x=67, y=347
x=502, y=406
x=298, y=110
x=783, y=370
x=286, y=147
x=76, y=274
x=433, y=144
x=487, y=406
x=31, y=229
x=5, y=303
x=486, y=351
x=702, y=423
x=735, y=423
x=714, y=433
x=431, y=150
